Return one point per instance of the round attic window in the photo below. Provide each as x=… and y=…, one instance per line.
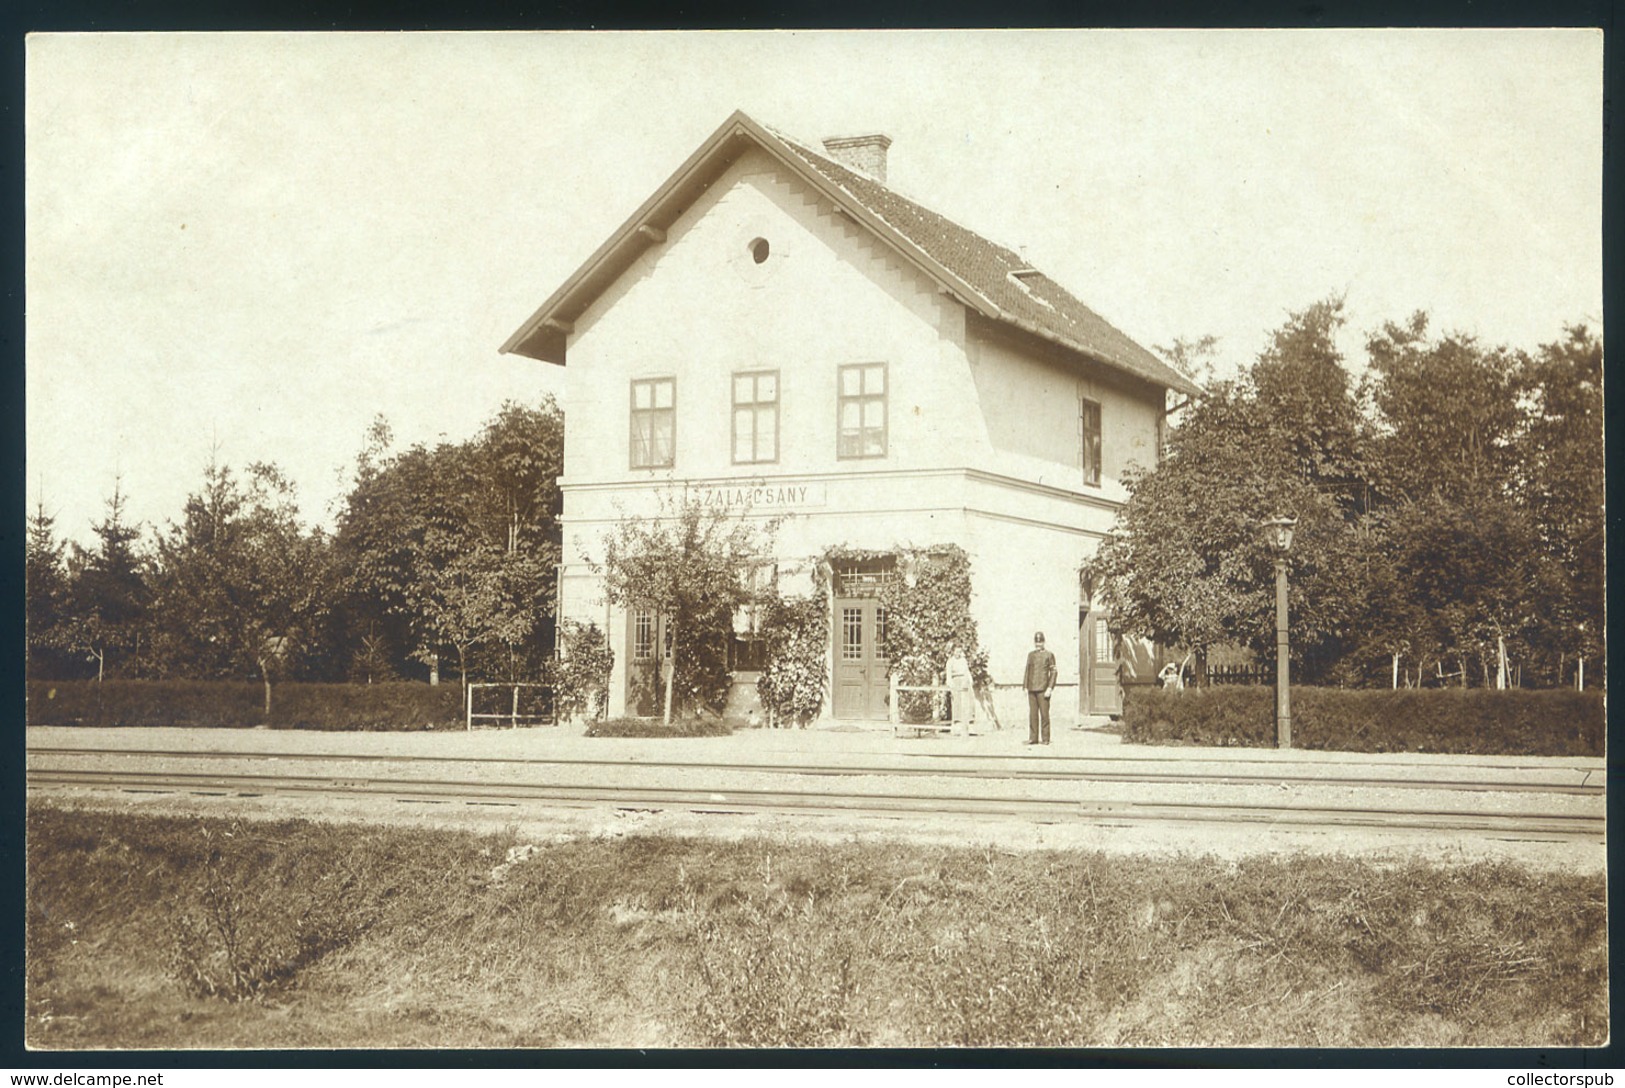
x=759, y=250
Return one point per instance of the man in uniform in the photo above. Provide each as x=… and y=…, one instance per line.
x=1040, y=684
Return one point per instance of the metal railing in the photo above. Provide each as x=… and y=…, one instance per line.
x=532, y=716
x=936, y=714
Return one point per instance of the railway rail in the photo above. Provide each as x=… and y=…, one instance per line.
x=1543, y=826
x=934, y=765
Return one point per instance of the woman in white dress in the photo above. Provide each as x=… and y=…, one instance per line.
x=959, y=689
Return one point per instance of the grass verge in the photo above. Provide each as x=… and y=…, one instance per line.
x=148, y=931
x=654, y=727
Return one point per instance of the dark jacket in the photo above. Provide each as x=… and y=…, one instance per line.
x=1040, y=671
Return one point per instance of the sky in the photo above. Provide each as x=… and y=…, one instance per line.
x=247, y=246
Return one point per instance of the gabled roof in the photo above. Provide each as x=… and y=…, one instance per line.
x=982, y=275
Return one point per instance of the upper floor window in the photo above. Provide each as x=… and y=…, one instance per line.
x=654, y=423
x=756, y=417
x=861, y=411
x=1089, y=431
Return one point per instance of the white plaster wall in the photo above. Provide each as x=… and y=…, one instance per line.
x=697, y=308
x=1029, y=410
x=1026, y=580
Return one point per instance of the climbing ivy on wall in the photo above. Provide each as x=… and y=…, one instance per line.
x=927, y=609
x=795, y=633
x=580, y=675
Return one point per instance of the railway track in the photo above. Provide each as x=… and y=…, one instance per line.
x=935, y=765
x=1543, y=826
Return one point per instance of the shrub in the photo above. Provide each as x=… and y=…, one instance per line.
x=1455, y=720
x=928, y=609
x=580, y=675
x=145, y=703
x=237, y=933
x=1214, y=717
x=653, y=727
x=368, y=707
x=239, y=705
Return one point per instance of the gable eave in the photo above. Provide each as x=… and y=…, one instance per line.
x=534, y=339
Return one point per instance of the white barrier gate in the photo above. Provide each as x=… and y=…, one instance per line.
x=538, y=712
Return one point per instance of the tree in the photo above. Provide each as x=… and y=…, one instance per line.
x=1474, y=568
x=241, y=588
x=466, y=597
x=691, y=565
x=108, y=593
x=1392, y=633
x=1187, y=564
x=1192, y=358
x=1562, y=485
x=516, y=462
x=1305, y=404
x=392, y=507
x=1450, y=512
x=1447, y=410
x=409, y=515
x=1492, y=464
x=517, y=459
x=45, y=585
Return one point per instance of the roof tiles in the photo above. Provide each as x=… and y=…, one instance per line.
x=1032, y=298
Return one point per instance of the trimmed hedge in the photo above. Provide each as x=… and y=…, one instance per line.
x=1472, y=721
x=241, y=705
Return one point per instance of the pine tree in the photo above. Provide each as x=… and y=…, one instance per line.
x=45, y=583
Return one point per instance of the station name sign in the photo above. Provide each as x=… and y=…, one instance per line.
x=759, y=496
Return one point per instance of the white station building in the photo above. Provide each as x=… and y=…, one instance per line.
x=777, y=330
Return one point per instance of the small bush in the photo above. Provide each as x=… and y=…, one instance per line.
x=919, y=707
x=237, y=934
x=1475, y=721
x=240, y=705
x=653, y=727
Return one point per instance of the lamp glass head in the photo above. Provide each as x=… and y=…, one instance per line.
x=1278, y=531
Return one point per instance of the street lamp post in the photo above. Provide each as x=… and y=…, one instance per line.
x=1278, y=533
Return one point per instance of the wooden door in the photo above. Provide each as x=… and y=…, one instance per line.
x=860, y=660
x=1098, y=664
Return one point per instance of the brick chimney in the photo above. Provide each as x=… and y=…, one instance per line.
x=865, y=154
